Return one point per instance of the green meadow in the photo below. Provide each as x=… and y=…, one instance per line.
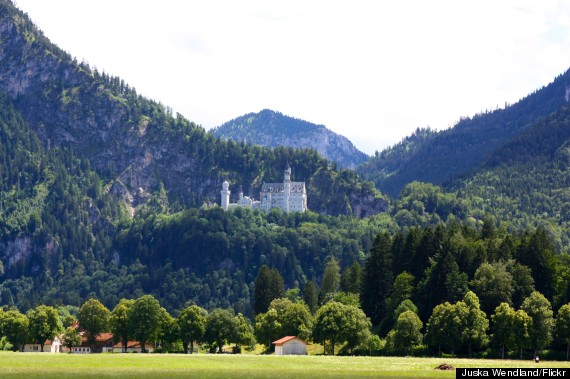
x=32, y=365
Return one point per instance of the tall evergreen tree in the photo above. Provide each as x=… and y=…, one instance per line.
x=432, y=290
x=537, y=252
x=311, y=296
x=331, y=281
x=377, y=279
x=351, y=278
x=268, y=286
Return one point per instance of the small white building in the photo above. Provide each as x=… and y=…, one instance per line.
x=50, y=346
x=290, y=345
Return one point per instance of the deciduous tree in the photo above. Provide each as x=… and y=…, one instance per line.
x=476, y=323
x=220, y=328
x=119, y=321
x=502, y=321
x=407, y=332
x=563, y=326
x=145, y=318
x=337, y=323
x=521, y=333
x=71, y=337
x=15, y=326
x=93, y=319
x=44, y=324
x=192, y=324
x=540, y=311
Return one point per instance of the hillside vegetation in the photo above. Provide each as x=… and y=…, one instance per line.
x=437, y=157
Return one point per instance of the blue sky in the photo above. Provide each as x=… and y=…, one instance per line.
x=372, y=71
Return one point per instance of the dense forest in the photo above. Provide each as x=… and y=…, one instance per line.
x=451, y=289
x=437, y=157
x=107, y=195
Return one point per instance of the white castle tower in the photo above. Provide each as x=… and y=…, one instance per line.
x=225, y=192
x=287, y=189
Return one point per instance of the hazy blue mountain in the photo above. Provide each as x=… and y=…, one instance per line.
x=272, y=129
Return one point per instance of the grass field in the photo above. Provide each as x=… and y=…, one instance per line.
x=35, y=365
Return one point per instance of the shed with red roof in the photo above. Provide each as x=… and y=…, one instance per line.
x=290, y=345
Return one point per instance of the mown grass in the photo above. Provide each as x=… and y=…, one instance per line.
x=32, y=365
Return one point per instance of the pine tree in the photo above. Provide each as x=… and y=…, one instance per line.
x=268, y=286
x=310, y=296
x=377, y=279
x=351, y=278
x=331, y=280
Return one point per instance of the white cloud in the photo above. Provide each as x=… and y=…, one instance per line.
x=370, y=70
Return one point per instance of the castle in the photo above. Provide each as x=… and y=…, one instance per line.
x=288, y=196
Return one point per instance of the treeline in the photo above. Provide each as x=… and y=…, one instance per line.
x=452, y=328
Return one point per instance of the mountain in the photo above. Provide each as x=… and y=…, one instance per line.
x=104, y=193
x=455, y=152
x=137, y=145
x=273, y=129
x=526, y=181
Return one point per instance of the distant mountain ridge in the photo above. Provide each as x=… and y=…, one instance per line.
x=455, y=152
x=272, y=129
x=137, y=145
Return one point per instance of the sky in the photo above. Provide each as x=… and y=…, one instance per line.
x=373, y=71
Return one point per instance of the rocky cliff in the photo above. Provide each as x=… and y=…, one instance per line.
x=272, y=129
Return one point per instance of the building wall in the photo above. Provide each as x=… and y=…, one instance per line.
x=81, y=350
x=294, y=347
x=54, y=347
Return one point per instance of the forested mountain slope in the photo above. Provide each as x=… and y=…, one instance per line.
x=138, y=146
x=452, y=153
x=97, y=181
x=527, y=181
x=273, y=129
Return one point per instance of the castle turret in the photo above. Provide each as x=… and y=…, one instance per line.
x=287, y=189
x=225, y=192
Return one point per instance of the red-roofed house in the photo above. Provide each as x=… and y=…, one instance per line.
x=133, y=347
x=290, y=345
x=103, y=344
